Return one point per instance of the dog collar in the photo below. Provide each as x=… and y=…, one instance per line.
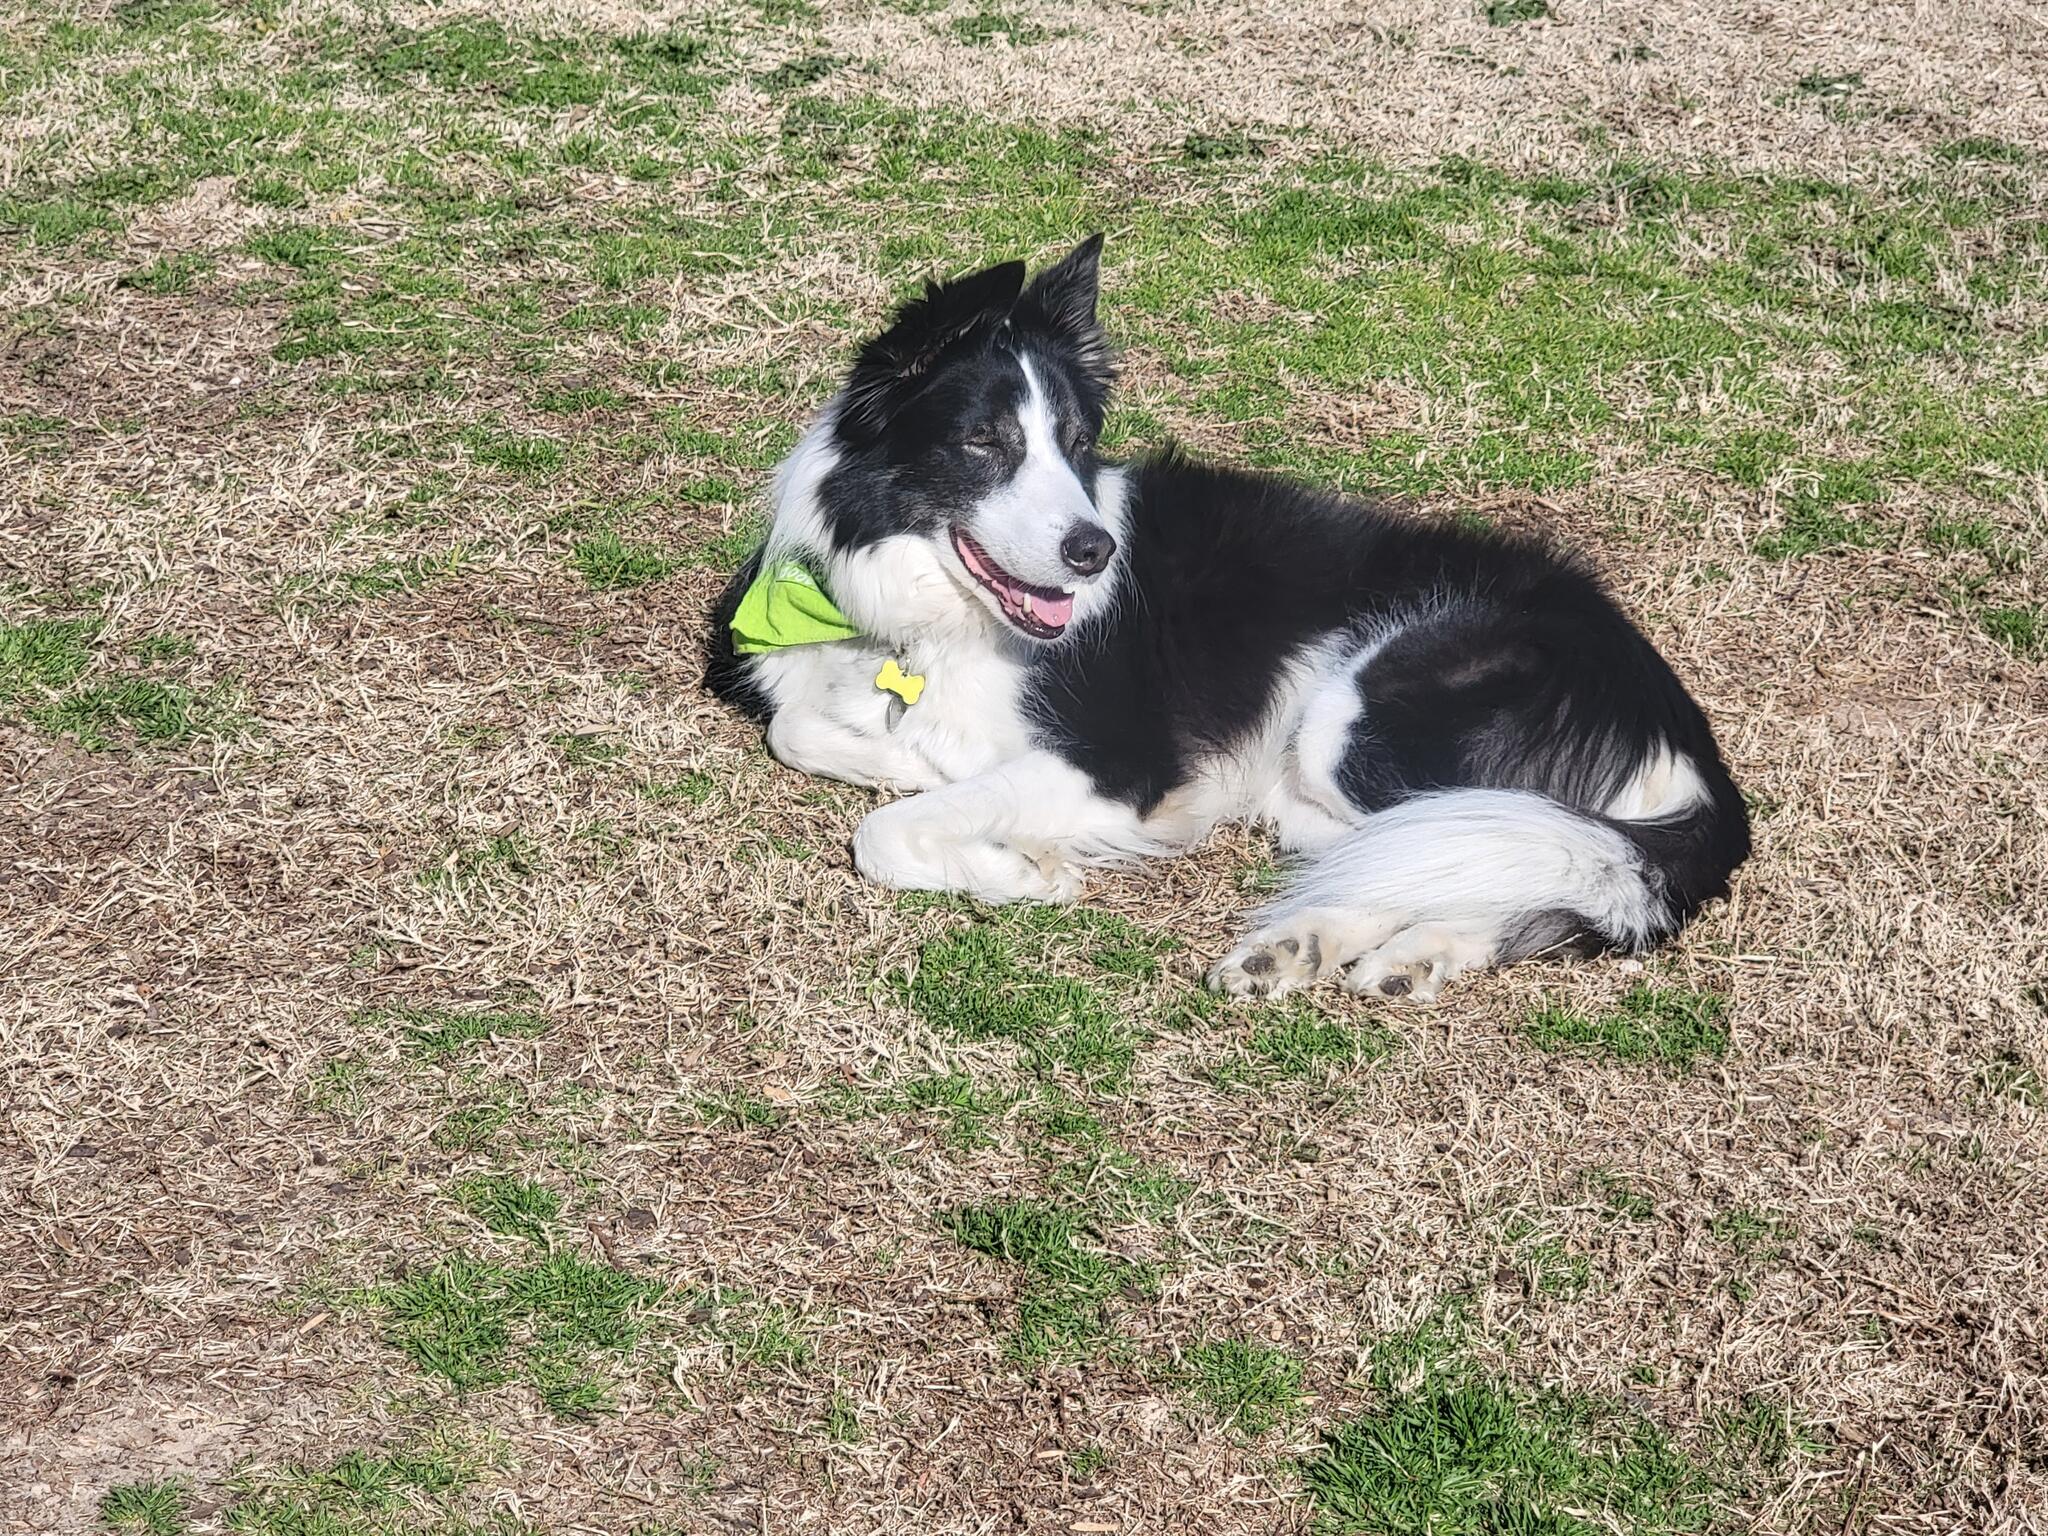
x=787, y=606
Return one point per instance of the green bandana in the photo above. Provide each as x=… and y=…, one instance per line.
x=785, y=606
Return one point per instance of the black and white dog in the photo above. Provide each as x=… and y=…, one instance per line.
x=1076, y=662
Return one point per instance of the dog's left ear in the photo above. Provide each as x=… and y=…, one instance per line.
x=1059, y=307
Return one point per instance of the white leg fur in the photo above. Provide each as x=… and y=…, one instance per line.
x=816, y=745
x=1020, y=832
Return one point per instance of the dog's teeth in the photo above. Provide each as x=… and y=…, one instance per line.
x=1029, y=612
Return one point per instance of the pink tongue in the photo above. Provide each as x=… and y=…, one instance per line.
x=1052, y=611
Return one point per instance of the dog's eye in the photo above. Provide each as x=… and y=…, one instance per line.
x=983, y=440
x=1079, y=441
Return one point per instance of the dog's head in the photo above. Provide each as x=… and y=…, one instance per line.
x=968, y=427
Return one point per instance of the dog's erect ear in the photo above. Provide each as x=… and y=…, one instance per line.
x=891, y=369
x=1059, y=307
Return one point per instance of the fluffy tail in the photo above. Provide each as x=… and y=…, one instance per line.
x=1534, y=873
x=1454, y=880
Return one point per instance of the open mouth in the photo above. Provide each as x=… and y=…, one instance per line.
x=1041, y=612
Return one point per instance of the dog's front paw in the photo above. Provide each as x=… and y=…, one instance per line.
x=1269, y=964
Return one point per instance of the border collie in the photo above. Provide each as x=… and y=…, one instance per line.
x=1075, y=662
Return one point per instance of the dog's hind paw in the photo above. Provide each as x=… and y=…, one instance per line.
x=1269, y=964
x=1414, y=965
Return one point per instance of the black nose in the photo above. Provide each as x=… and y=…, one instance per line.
x=1087, y=547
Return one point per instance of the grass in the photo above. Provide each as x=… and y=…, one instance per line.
x=1295, y=1040
x=610, y=564
x=582, y=749
x=1621, y=1198
x=510, y=1206
x=504, y=321
x=43, y=656
x=155, y=1508
x=978, y=28
x=1068, y=1283
x=1747, y=1231
x=693, y=788
x=2008, y=1074
x=1667, y=1027
x=401, y=1492
x=433, y=1034
x=997, y=979
x=1251, y=1387
x=557, y=1324
x=151, y=712
x=761, y=1335
x=1449, y=1448
x=1550, y=1266
x=503, y=858
x=43, y=678
x=2020, y=628
x=967, y=1107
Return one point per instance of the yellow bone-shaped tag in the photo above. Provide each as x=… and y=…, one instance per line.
x=892, y=679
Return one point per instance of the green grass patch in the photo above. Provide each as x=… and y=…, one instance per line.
x=2009, y=1074
x=472, y=1127
x=691, y=788
x=1621, y=1199
x=1294, y=1040
x=1068, y=1282
x=510, y=1206
x=479, y=57
x=1667, y=1026
x=2019, y=627
x=574, y=401
x=1000, y=979
x=412, y=574
x=401, y=1492
x=1984, y=149
x=42, y=656
x=55, y=221
x=559, y=1324
x=141, y=709
x=1749, y=1231
x=610, y=564
x=979, y=28
x=162, y=647
x=176, y=272
x=966, y=1107
x=1447, y=1448
x=842, y=1424
x=157, y=1509
x=762, y=1335
x=1548, y=1264
x=584, y=749
x=515, y=453
x=1251, y=1387
x=440, y=1034
x=738, y=1109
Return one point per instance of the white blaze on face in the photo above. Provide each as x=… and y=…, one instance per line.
x=1021, y=523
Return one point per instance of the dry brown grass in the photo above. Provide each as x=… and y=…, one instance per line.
x=188, y=938
x=1679, y=84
